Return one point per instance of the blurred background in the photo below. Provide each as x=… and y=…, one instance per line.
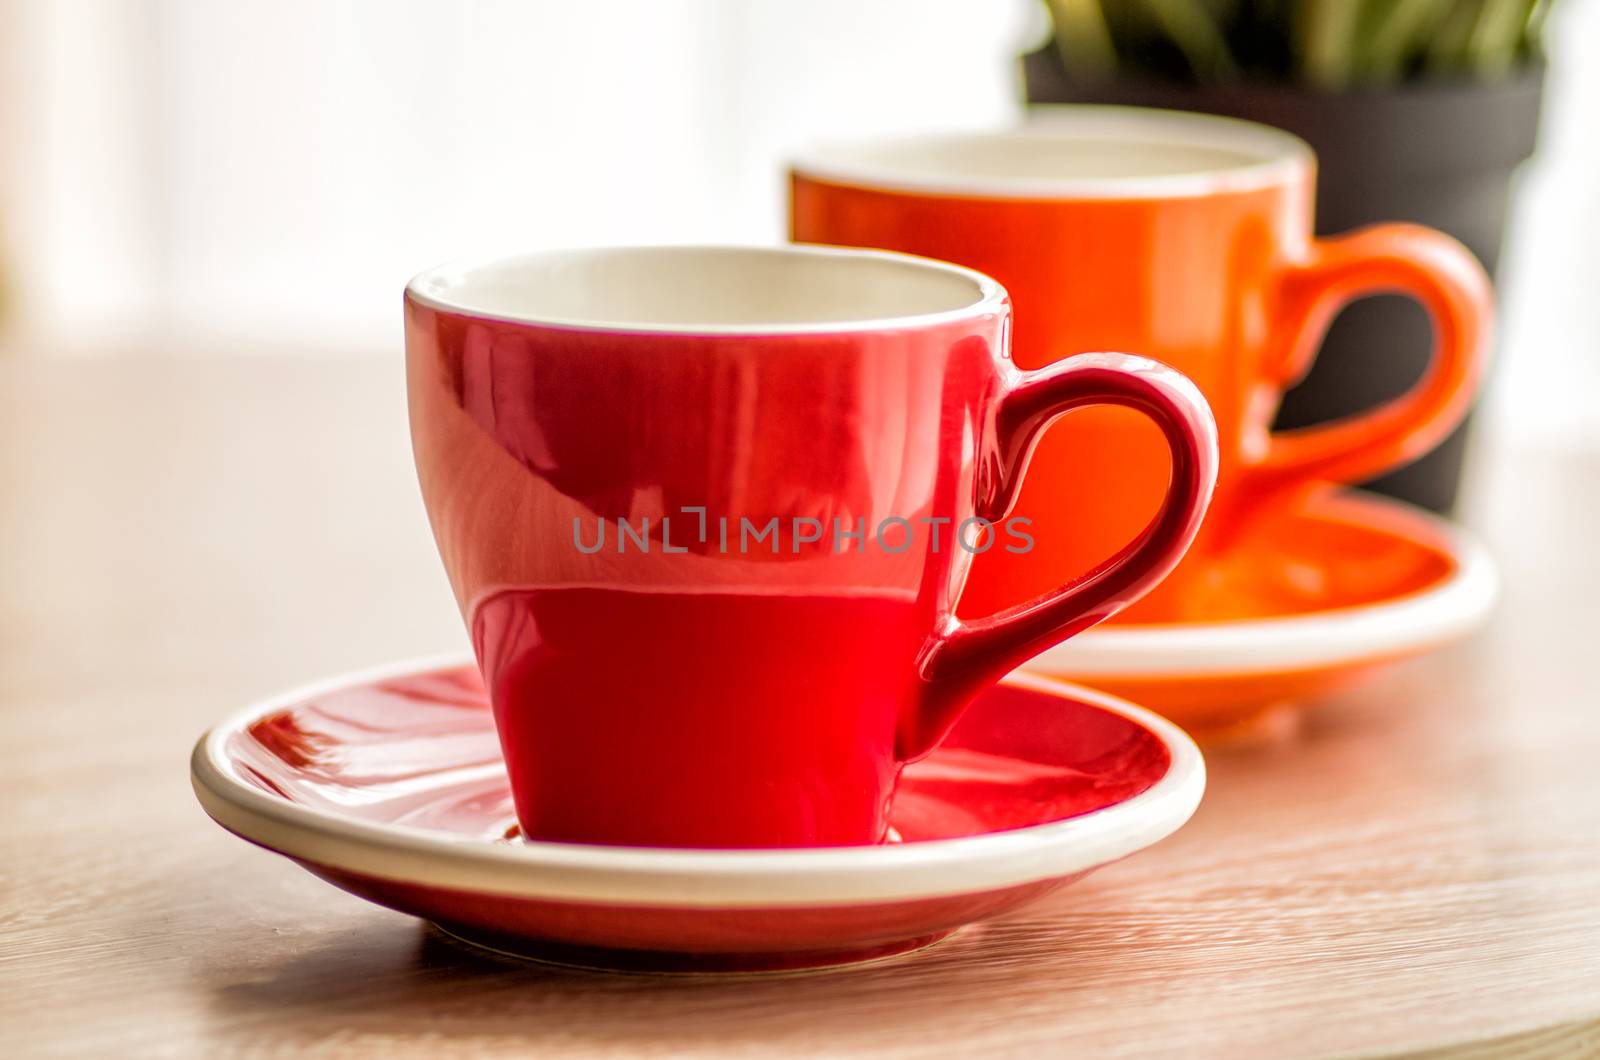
x=215, y=179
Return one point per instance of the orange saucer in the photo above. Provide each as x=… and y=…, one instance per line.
x=1313, y=599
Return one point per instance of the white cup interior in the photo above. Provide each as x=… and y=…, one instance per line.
x=708, y=289
x=1073, y=152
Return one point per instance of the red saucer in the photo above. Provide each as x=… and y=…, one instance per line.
x=390, y=786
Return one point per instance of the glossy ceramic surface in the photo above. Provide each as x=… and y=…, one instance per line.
x=686, y=681
x=391, y=786
x=1317, y=596
x=1198, y=252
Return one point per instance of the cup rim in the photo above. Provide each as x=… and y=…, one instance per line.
x=433, y=287
x=1278, y=156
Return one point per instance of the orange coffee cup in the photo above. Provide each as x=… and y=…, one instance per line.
x=1183, y=237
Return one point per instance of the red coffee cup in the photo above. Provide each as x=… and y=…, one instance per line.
x=707, y=513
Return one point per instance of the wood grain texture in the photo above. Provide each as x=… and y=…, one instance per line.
x=1419, y=868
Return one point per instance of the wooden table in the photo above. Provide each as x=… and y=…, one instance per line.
x=1420, y=867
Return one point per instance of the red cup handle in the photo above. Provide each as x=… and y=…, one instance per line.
x=962, y=657
x=1447, y=280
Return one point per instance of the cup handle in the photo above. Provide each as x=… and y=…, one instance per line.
x=1409, y=259
x=962, y=657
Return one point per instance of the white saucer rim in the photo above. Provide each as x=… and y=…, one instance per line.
x=1405, y=625
x=679, y=878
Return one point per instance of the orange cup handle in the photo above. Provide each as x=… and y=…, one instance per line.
x=1447, y=280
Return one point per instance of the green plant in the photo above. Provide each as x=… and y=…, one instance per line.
x=1332, y=44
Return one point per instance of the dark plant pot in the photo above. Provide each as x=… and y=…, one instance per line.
x=1435, y=154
